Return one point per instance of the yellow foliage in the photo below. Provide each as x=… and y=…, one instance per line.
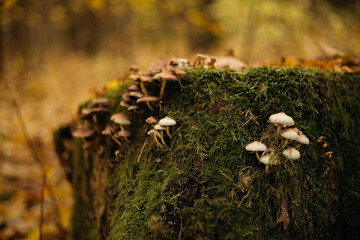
x=112, y=85
x=95, y=5
x=289, y=62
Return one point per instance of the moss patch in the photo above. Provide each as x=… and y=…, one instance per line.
x=204, y=185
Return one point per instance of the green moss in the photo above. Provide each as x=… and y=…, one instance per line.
x=207, y=186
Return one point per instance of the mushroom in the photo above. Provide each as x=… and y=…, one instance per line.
x=124, y=103
x=291, y=153
x=302, y=139
x=289, y=134
x=151, y=120
x=256, y=147
x=121, y=119
x=269, y=159
x=281, y=119
x=167, y=122
x=155, y=135
x=148, y=99
x=124, y=134
x=99, y=102
x=133, y=108
x=165, y=75
x=108, y=131
x=161, y=129
x=134, y=88
x=91, y=112
x=126, y=97
x=136, y=94
x=83, y=132
x=143, y=80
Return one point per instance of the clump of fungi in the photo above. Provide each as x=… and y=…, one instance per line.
x=159, y=129
x=272, y=155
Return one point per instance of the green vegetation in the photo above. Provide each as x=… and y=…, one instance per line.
x=205, y=185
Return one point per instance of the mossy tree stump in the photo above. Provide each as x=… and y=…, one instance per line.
x=204, y=184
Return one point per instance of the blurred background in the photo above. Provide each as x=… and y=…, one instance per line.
x=55, y=54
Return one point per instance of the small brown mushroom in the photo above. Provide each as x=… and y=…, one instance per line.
x=109, y=130
x=151, y=120
x=83, y=132
x=165, y=75
x=124, y=134
x=148, y=99
x=121, y=119
x=155, y=135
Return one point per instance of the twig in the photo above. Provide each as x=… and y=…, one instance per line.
x=142, y=149
x=179, y=194
x=226, y=176
x=180, y=227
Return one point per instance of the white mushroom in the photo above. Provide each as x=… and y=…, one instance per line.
x=291, y=153
x=289, y=134
x=256, y=147
x=281, y=119
x=167, y=122
x=269, y=159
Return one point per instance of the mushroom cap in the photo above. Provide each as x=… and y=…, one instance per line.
x=154, y=132
x=269, y=159
x=134, y=88
x=148, y=99
x=124, y=103
x=159, y=127
x=124, y=133
x=82, y=132
x=165, y=75
x=167, y=121
x=136, y=94
x=135, y=77
x=179, y=71
x=151, y=120
x=146, y=78
x=291, y=153
x=99, y=102
x=256, y=147
x=108, y=130
x=120, y=118
x=90, y=111
x=289, y=134
x=133, y=107
x=126, y=96
x=302, y=139
x=282, y=119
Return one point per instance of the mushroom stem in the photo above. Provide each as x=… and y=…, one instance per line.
x=267, y=168
x=298, y=146
x=143, y=89
x=180, y=83
x=257, y=155
x=117, y=141
x=163, y=84
x=278, y=128
x=121, y=127
x=127, y=140
x=285, y=143
x=168, y=132
x=162, y=138
x=95, y=119
x=149, y=105
x=157, y=141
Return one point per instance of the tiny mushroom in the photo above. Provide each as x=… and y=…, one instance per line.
x=109, y=131
x=99, y=102
x=133, y=108
x=124, y=134
x=167, y=122
x=124, y=103
x=269, y=159
x=121, y=119
x=134, y=88
x=145, y=79
x=92, y=112
x=161, y=129
x=136, y=94
x=289, y=134
x=281, y=119
x=291, y=153
x=155, y=135
x=256, y=147
x=83, y=132
x=151, y=120
x=302, y=139
x=148, y=99
x=165, y=75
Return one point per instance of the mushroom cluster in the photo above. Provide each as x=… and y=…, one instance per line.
x=271, y=155
x=159, y=129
